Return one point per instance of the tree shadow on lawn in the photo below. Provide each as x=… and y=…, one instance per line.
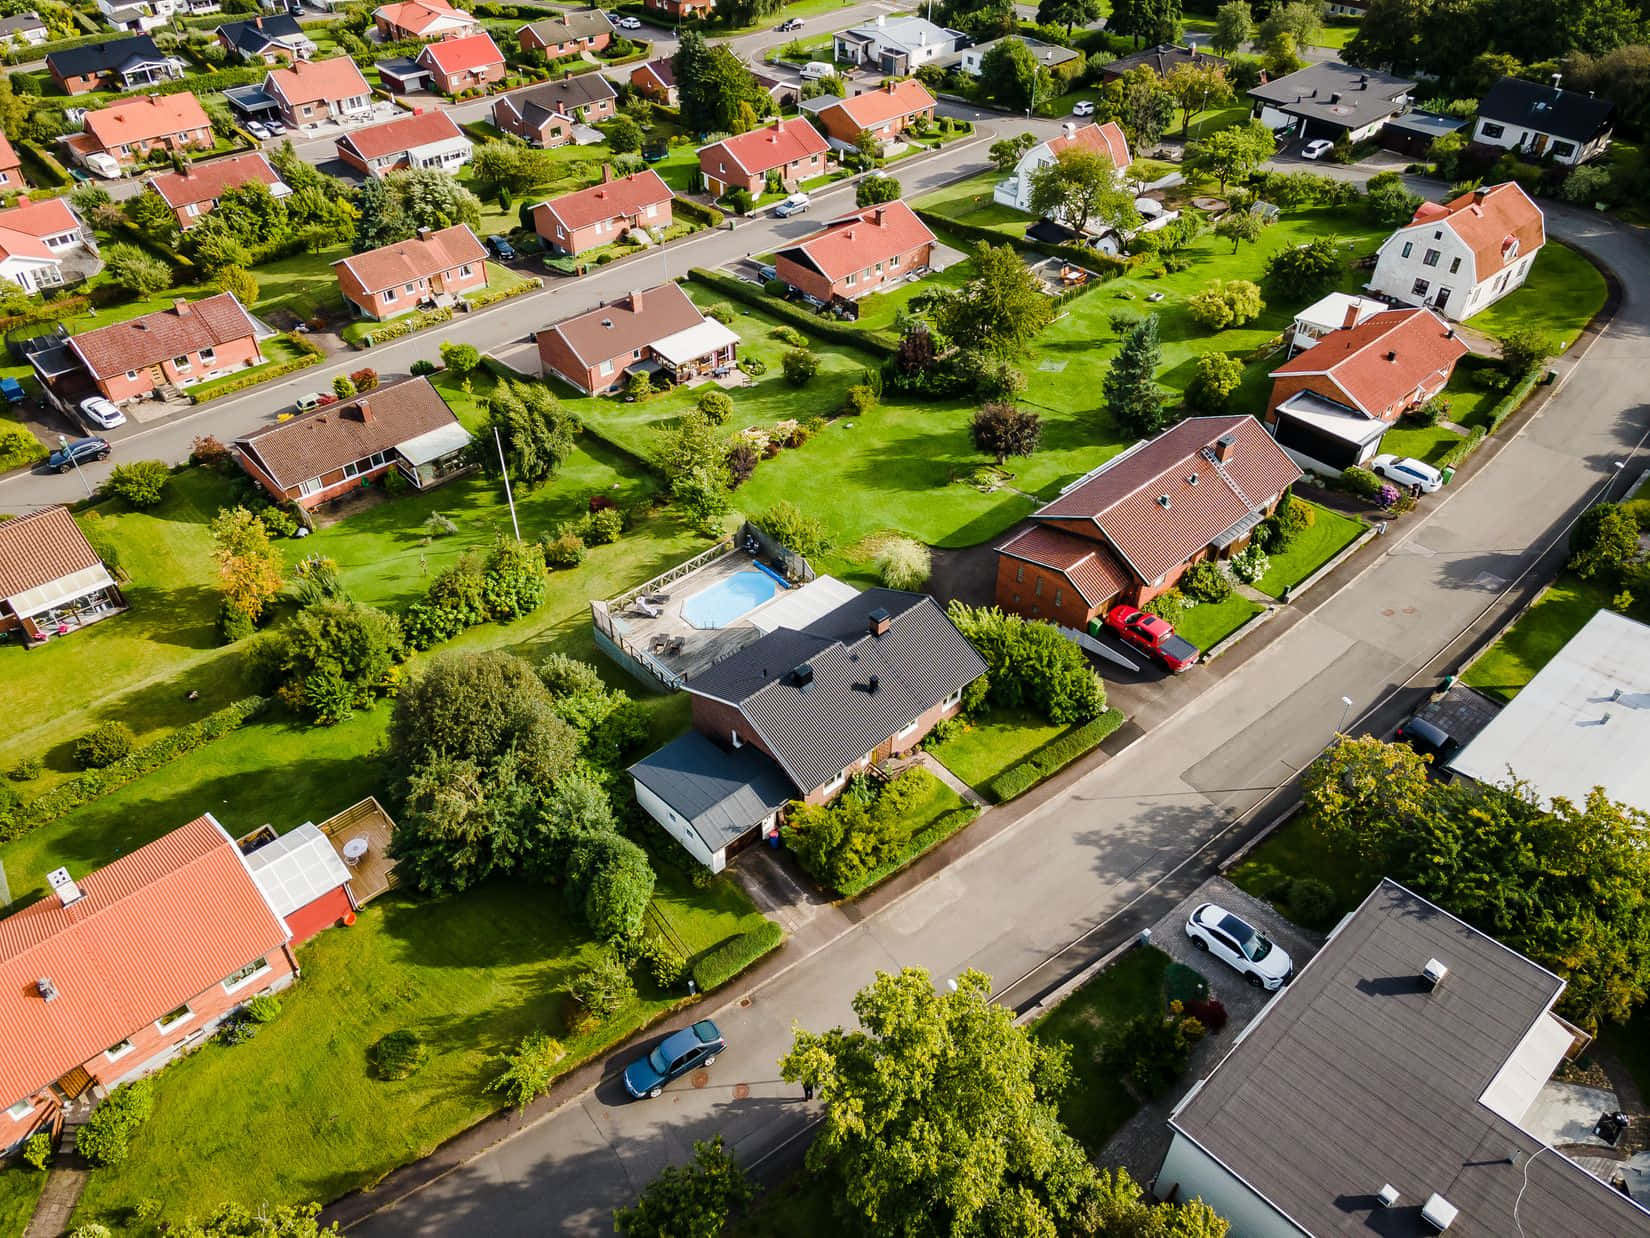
x=181, y=615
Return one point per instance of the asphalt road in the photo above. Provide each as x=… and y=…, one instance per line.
x=1122, y=836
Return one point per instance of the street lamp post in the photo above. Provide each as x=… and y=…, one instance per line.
x=1346, y=706
x=75, y=460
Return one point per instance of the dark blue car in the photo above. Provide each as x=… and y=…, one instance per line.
x=674, y=1056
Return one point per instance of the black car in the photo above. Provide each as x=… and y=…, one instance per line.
x=81, y=451
x=1428, y=738
x=501, y=248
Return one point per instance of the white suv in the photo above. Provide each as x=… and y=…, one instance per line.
x=1407, y=472
x=1240, y=946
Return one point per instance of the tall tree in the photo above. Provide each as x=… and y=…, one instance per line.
x=251, y=568
x=718, y=93
x=1011, y=77
x=689, y=1201
x=1133, y=398
x=1301, y=19
x=1234, y=27
x=692, y=68
x=1004, y=430
x=1000, y=310
x=535, y=431
x=1362, y=793
x=1141, y=104
x=1068, y=13
x=1148, y=21
x=1005, y=153
x=1238, y=226
x=1232, y=153
x=1196, y=87
x=1081, y=187
x=1389, y=36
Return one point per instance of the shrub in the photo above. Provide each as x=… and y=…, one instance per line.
x=859, y=400
x=800, y=366
x=603, y=988
x=1171, y=606
x=106, y=1138
x=398, y=1054
x=343, y=387
x=904, y=563
x=1206, y=582
x=732, y=957
x=142, y=483
x=663, y=963
x=603, y=527
x=26, y=770
x=789, y=335
x=715, y=404
x=103, y=745
x=1214, y=378
x=37, y=1150
x=563, y=548
x=364, y=379
x=742, y=461
x=1226, y=303
x=1362, y=483
x=529, y=1070
x=1151, y=1052
x=422, y=368
x=1209, y=1011
x=1250, y=564
x=1430, y=413
x=278, y=522
x=1312, y=902
x=210, y=453
x=722, y=312
x=1295, y=516
x=1603, y=542
x=264, y=1008
x=754, y=366
x=1523, y=350
x=1031, y=665
x=786, y=524
x=638, y=386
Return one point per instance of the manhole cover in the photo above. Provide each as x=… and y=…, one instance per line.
x=741, y=1091
x=744, y=1001
x=1389, y=613
x=700, y=1078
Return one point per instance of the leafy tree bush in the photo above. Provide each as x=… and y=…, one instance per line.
x=800, y=365
x=240, y=281
x=1523, y=350
x=715, y=404
x=459, y=360
x=142, y=483
x=1587, y=185
x=1003, y=430
x=1031, y=665
x=1305, y=270
x=903, y=563
x=1206, y=582
x=859, y=400
x=722, y=964
x=334, y=658
x=106, y=1138
x=1429, y=413
x=535, y=430
x=1312, y=903
x=1132, y=395
x=135, y=270
x=1389, y=202
x=1249, y=564
x=563, y=547
x=874, y=190
x=422, y=368
x=103, y=745
x=239, y=1221
x=529, y=1069
x=1151, y=1051
x=398, y=1054
x=1604, y=541
x=611, y=882
x=1215, y=377
x=787, y=524
x=1000, y=311
x=637, y=386
x=343, y=387
x=624, y=136
x=1171, y=606
x=512, y=581
x=1226, y=303
x=663, y=963
x=603, y=527
x=565, y=675
x=696, y=1200
x=1362, y=483
x=37, y=1150
x=250, y=568
x=604, y=988
x=1294, y=516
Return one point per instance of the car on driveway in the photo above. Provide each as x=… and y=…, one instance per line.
x=81, y=451
x=314, y=400
x=1317, y=149
x=1407, y=472
x=1427, y=738
x=275, y=127
x=104, y=414
x=257, y=129
x=788, y=25
x=1083, y=107
x=1239, y=945
x=796, y=204
x=673, y=1057
x=501, y=248
x=629, y=23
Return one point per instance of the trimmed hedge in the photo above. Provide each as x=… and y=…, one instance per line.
x=698, y=212
x=47, y=311
x=1052, y=757
x=492, y=296
x=1506, y=407
x=403, y=326
x=77, y=792
x=43, y=167
x=1103, y=265
x=257, y=374
x=917, y=846
x=883, y=343
x=734, y=955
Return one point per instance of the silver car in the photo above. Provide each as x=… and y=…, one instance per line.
x=1241, y=946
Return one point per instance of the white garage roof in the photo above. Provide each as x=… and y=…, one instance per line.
x=797, y=608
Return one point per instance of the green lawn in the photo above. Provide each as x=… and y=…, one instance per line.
x=1096, y=1103
x=1531, y=642
x=1429, y=443
x=20, y=1188
x=1330, y=533
x=1296, y=849
x=296, y=1114
x=878, y=311
x=991, y=744
x=1562, y=292
x=1474, y=390
x=1207, y=624
x=303, y=285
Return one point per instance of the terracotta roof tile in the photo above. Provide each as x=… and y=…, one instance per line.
x=142, y=120
x=41, y=547
x=419, y=15
x=1383, y=359
x=187, y=327
x=152, y=930
x=876, y=107
x=404, y=133
x=418, y=258
x=1106, y=139
x=471, y=51
x=863, y=238
x=8, y=156
x=205, y=182
x=1487, y=220
x=620, y=198
x=772, y=146
x=620, y=327
x=312, y=81
x=1092, y=569
x=23, y=228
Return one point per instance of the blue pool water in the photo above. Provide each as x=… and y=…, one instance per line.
x=726, y=600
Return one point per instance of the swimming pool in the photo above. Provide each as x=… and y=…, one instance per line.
x=720, y=604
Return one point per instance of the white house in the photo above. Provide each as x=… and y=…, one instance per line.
x=36, y=238
x=1460, y=256
x=1106, y=139
x=1565, y=126
x=1049, y=56
x=898, y=46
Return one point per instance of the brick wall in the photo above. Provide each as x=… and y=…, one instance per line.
x=227, y=358
x=1039, y=592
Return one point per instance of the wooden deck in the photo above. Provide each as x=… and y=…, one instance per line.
x=374, y=872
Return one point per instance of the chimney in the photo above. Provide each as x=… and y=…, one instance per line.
x=636, y=301
x=46, y=988
x=1432, y=975
x=63, y=885
x=1335, y=97
x=364, y=410
x=871, y=685
x=1224, y=446
x=1480, y=192
x=1163, y=501
x=180, y=306
x=424, y=234
x=1388, y=1195
x=878, y=621
x=607, y=173
x=876, y=215
x=1438, y=1212
x=1391, y=356
x=890, y=85
x=1351, y=316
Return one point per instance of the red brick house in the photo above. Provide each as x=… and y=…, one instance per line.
x=548, y=115
x=468, y=63
x=178, y=347
x=681, y=10
x=1127, y=531
x=656, y=80
x=395, y=279
x=797, y=713
x=192, y=193
x=423, y=19
x=884, y=113
x=599, y=215
x=11, y=167
x=791, y=149
x=52, y=581
x=325, y=454
x=313, y=91
x=112, y=976
x=134, y=129
x=862, y=253
x=419, y=140
x=1331, y=404
x=587, y=30
x=657, y=330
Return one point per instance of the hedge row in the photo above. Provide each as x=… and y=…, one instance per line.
x=404, y=326
x=1506, y=407
x=47, y=311
x=492, y=296
x=699, y=213
x=883, y=343
x=734, y=955
x=1051, y=758
x=1103, y=265
x=252, y=377
x=82, y=790
x=917, y=846
x=43, y=167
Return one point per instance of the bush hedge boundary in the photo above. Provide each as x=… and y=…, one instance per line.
x=722, y=963
x=1506, y=407
x=918, y=845
x=267, y=372
x=1051, y=758
x=881, y=343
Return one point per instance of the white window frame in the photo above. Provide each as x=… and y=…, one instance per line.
x=906, y=730
x=163, y=1027
x=21, y=1109
x=117, y=1051
x=307, y=488
x=840, y=780
x=389, y=295
x=605, y=369
x=246, y=975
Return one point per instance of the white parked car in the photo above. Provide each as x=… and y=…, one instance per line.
x=1407, y=472
x=629, y=23
x=796, y=204
x=1235, y=942
x=256, y=129
x=104, y=414
x=275, y=127
x=1083, y=107
x=1317, y=149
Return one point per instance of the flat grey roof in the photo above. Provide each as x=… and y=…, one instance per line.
x=721, y=794
x=1356, y=1077
x=1428, y=124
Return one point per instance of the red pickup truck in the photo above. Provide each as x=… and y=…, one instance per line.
x=1150, y=635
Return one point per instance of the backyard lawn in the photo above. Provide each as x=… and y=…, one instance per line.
x=1296, y=849
x=1209, y=623
x=1539, y=633
x=1330, y=533
x=1562, y=292
x=20, y=1188
x=1428, y=443
x=989, y=745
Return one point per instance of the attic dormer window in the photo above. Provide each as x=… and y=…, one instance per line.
x=1509, y=248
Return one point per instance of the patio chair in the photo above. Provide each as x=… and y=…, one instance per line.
x=642, y=607
x=677, y=644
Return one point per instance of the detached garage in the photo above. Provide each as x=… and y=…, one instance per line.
x=714, y=802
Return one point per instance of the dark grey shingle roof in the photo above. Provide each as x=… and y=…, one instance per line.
x=721, y=794
x=816, y=730
x=102, y=57
x=1354, y=1078
x=1565, y=114
x=251, y=37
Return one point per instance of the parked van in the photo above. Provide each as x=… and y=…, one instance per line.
x=816, y=69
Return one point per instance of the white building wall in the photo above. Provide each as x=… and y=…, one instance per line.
x=1395, y=272
x=1521, y=138
x=680, y=830
x=1199, y=1176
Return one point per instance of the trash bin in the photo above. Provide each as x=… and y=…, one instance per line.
x=1447, y=473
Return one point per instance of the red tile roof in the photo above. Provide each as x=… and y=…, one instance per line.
x=39, y=548
x=152, y=930
x=314, y=81
x=1092, y=569
x=23, y=228
x=472, y=52
x=1122, y=501
x=1383, y=359
x=185, y=328
x=401, y=134
x=419, y=15
x=143, y=120
x=627, y=324
x=876, y=107
x=8, y=157
x=863, y=238
x=662, y=71
x=624, y=197
x=772, y=146
x=417, y=258
x=1488, y=220
x=205, y=182
x=1106, y=139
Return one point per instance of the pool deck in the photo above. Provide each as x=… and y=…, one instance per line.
x=701, y=647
